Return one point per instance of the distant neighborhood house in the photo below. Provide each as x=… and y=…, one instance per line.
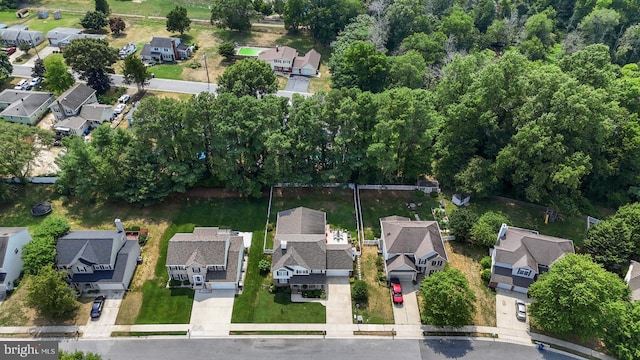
x=12, y=240
x=165, y=49
x=20, y=34
x=98, y=259
x=209, y=258
x=521, y=255
x=285, y=59
x=62, y=36
x=633, y=280
x=410, y=247
x=306, y=251
x=24, y=107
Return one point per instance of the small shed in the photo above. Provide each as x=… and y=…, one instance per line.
x=22, y=13
x=460, y=199
x=57, y=15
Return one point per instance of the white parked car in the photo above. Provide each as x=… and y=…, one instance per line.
x=35, y=82
x=22, y=85
x=124, y=98
x=119, y=109
x=521, y=310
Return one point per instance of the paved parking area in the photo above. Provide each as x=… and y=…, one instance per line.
x=339, y=301
x=407, y=313
x=506, y=310
x=212, y=308
x=100, y=327
x=297, y=83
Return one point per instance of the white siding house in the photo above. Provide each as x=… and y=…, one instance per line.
x=12, y=240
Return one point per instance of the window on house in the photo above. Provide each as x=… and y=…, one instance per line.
x=436, y=263
x=524, y=272
x=282, y=273
x=195, y=270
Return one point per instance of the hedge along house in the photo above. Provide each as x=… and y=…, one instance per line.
x=98, y=259
x=208, y=258
x=306, y=251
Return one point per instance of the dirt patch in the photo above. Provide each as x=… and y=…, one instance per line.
x=486, y=300
x=129, y=308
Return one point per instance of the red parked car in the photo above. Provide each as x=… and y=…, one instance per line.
x=396, y=291
x=9, y=50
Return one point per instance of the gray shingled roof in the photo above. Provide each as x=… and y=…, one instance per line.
x=231, y=273
x=162, y=42
x=398, y=261
x=634, y=280
x=5, y=234
x=412, y=237
x=339, y=257
x=73, y=122
x=205, y=246
x=62, y=32
x=28, y=104
x=9, y=96
x=311, y=279
x=96, y=112
x=520, y=247
x=76, y=96
x=312, y=57
x=92, y=246
x=119, y=268
x=309, y=254
x=279, y=52
x=301, y=220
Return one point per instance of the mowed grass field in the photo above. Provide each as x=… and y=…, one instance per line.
x=196, y=9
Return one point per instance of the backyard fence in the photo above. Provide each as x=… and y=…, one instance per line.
x=425, y=189
x=448, y=237
x=371, y=242
x=33, y=180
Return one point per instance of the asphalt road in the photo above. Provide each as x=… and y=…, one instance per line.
x=178, y=86
x=308, y=349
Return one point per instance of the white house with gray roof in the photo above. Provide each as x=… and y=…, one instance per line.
x=12, y=240
x=71, y=101
x=62, y=36
x=74, y=125
x=165, y=49
x=16, y=35
x=632, y=278
x=521, y=255
x=410, y=247
x=306, y=251
x=24, y=107
x=209, y=258
x=98, y=259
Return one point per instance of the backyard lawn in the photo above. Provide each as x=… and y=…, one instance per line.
x=378, y=309
x=257, y=305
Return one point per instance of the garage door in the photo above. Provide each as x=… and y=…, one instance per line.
x=403, y=276
x=223, y=286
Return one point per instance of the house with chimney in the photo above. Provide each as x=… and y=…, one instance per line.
x=207, y=258
x=306, y=251
x=12, y=240
x=98, y=259
x=285, y=59
x=165, y=49
x=24, y=107
x=77, y=111
x=521, y=255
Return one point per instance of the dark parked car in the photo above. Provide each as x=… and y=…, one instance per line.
x=96, y=309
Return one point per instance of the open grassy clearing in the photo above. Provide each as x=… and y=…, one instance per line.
x=381, y=203
x=467, y=259
x=196, y=9
x=378, y=309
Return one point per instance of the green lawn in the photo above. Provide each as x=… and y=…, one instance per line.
x=164, y=306
x=165, y=71
x=376, y=204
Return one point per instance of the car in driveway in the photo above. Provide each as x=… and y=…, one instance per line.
x=22, y=85
x=521, y=310
x=35, y=82
x=96, y=308
x=396, y=291
x=124, y=98
x=119, y=109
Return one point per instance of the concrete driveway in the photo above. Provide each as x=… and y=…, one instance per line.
x=297, y=83
x=100, y=327
x=339, y=301
x=506, y=310
x=212, y=308
x=408, y=313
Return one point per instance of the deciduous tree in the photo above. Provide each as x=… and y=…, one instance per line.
x=232, y=14
x=38, y=68
x=135, y=72
x=56, y=77
x=103, y=7
x=448, y=300
x=296, y=14
x=622, y=329
x=572, y=297
x=50, y=294
x=19, y=145
x=5, y=66
x=177, y=20
x=248, y=77
x=78, y=355
x=92, y=58
x=117, y=25
x=94, y=20
x=460, y=223
x=485, y=231
x=226, y=50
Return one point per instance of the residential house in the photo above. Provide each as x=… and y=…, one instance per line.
x=209, y=258
x=24, y=107
x=98, y=259
x=12, y=240
x=74, y=125
x=20, y=34
x=285, y=59
x=521, y=255
x=165, y=49
x=305, y=252
x=72, y=100
x=633, y=280
x=62, y=37
x=96, y=114
x=410, y=247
